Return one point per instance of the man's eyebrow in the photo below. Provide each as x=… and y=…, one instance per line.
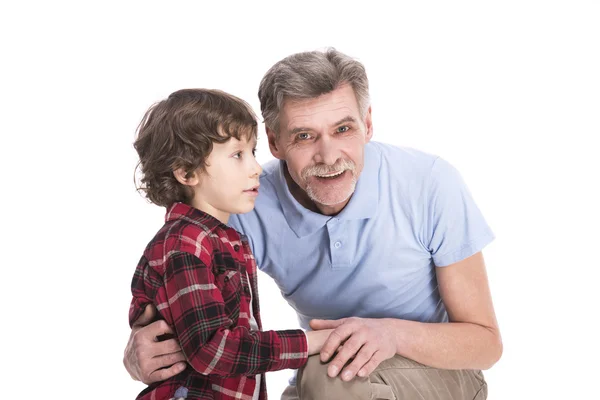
x=298, y=130
x=348, y=118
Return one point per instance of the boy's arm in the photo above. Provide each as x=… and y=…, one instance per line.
x=150, y=361
x=316, y=340
x=210, y=341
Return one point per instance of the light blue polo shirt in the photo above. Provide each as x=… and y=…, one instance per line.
x=411, y=212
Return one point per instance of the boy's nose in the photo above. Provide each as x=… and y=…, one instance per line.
x=256, y=168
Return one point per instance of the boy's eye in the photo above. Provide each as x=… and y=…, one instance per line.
x=254, y=152
x=238, y=155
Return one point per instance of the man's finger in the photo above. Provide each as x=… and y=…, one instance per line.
x=334, y=341
x=165, y=373
x=319, y=324
x=147, y=317
x=166, y=360
x=362, y=358
x=337, y=339
x=156, y=329
x=167, y=347
x=350, y=349
x=371, y=365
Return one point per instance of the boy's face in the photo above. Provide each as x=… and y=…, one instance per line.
x=230, y=183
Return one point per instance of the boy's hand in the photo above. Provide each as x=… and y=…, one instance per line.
x=316, y=339
x=145, y=358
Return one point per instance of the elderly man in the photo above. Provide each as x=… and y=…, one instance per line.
x=379, y=242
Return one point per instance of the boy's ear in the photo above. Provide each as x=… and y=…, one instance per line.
x=186, y=178
x=273, y=145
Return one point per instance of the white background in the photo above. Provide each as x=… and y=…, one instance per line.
x=509, y=92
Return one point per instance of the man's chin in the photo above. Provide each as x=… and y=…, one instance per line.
x=335, y=198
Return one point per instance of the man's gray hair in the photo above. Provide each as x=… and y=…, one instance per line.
x=308, y=75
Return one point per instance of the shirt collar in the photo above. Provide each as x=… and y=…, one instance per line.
x=186, y=212
x=362, y=204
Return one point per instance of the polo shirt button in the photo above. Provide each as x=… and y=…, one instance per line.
x=236, y=247
x=338, y=245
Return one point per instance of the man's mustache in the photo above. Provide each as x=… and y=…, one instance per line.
x=324, y=169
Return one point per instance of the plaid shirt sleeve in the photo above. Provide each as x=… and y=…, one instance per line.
x=208, y=337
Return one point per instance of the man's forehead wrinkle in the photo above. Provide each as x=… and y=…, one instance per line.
x=302, y=119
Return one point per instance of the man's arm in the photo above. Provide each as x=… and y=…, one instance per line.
x=471, y=340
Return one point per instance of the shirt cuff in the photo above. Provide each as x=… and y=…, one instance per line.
x=293, y=349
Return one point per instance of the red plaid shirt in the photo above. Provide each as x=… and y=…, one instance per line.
x=194, y=272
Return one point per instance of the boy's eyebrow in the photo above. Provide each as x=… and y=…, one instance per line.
x=348, y=118
x=240, y=144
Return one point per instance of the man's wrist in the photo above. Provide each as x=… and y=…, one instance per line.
x=398, y=331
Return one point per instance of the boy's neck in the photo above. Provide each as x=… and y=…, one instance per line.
x=213, y=212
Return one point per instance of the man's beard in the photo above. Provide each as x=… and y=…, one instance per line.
x=341, y=165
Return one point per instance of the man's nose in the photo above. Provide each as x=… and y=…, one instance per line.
x=328, y=151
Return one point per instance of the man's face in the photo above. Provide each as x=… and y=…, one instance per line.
x=322, y=141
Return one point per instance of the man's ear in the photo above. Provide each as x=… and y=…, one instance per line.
x=274, y=146
x=186, y=178
x=368, y=126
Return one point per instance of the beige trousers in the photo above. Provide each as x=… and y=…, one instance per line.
x=395, y=379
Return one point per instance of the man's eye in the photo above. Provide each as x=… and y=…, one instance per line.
x=342, y=129
x=303, y=136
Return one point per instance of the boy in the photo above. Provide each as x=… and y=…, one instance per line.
x=196, y=152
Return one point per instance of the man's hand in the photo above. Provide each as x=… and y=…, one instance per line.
x=316, y=340
x=145, y=358
x=370, y=341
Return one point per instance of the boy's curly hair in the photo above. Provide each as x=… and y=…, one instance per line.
x=179, y=132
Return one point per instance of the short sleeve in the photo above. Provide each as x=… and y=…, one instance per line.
x=456, y=228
